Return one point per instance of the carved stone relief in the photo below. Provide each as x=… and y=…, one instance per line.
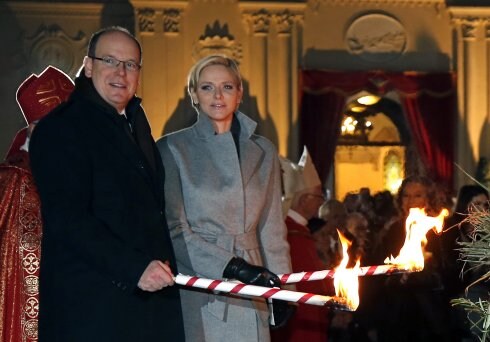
x=146, y=20
x=487, y=29
x=438, y=5
x=171, y=20
x=376, y=37
x=149, y=18
x=471, y=25
x=284, y=22
x=259, y=21
x=468, y=29
x=50, y=45
x=468, y=26
x=217, y=40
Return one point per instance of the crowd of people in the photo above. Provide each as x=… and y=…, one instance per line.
x=408, y=307
x=120, y=215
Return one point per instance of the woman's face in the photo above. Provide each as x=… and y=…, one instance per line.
x=218, y=95
x=479, y=202
x=414, y=196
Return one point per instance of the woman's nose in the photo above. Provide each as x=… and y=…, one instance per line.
x=217, y=93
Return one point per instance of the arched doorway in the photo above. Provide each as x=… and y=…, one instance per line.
x=372, y=146
x=429, y=108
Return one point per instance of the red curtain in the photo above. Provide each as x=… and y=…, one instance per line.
x=428, y=100
x=319, y=131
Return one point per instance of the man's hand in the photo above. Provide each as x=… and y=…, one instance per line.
x=156, y=276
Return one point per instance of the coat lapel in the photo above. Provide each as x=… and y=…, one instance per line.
x=251, y=155
x=112, y=128
x=124, y=145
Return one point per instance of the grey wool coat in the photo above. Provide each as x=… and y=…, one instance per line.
x=221, y=203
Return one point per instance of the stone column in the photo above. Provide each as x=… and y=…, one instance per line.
x=158, y=29
x=259, y=25
x=281, y=87
x=288, y=43
x=485, y=138
x=274, y=44
x=473, y=86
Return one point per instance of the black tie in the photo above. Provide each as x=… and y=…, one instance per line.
x=127, y=127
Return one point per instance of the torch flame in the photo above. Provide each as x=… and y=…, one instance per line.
x=346, y=280
x=417, y=225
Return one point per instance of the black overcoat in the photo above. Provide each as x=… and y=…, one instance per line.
x=101, y=191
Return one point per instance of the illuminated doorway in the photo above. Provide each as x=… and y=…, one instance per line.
x=424, y=103
x=372, y=149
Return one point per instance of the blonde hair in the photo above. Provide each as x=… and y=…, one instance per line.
x=195, y=72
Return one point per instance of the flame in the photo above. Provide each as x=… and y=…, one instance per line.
x=417, y=225
x=346, y=280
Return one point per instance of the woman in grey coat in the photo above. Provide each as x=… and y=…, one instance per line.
x=223, y=203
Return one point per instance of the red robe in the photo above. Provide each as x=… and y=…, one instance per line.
x=20, y=247
x=310, y=322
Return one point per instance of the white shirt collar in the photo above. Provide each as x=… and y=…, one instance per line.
x=297, y=217
x=25, y=147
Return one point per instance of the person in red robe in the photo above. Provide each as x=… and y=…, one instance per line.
x=20, y=216
x=303, y=192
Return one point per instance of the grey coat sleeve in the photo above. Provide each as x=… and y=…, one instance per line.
x=272, y=228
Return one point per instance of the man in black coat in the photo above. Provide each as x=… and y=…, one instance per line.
x=107, y=261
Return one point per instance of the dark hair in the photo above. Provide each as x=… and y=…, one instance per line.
x=92, y=45
x=427, y=183
x=465, y=195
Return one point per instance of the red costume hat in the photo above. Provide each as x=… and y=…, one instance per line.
x=37, y=96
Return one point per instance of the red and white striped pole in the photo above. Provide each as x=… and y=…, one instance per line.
x=330, y=274
x=260, y=291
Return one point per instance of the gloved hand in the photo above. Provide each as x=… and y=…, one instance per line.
x=282, y=311
x=250, y=274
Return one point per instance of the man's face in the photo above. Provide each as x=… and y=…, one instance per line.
x=115, y=85
x=312, y=201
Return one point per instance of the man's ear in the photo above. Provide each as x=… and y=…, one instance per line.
x=88, y=64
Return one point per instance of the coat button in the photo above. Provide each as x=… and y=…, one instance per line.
x=119, y=285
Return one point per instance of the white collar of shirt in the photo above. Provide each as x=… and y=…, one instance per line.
x=25, y=147
x=297, y=217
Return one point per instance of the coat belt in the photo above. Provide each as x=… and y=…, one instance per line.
x=238, y=242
